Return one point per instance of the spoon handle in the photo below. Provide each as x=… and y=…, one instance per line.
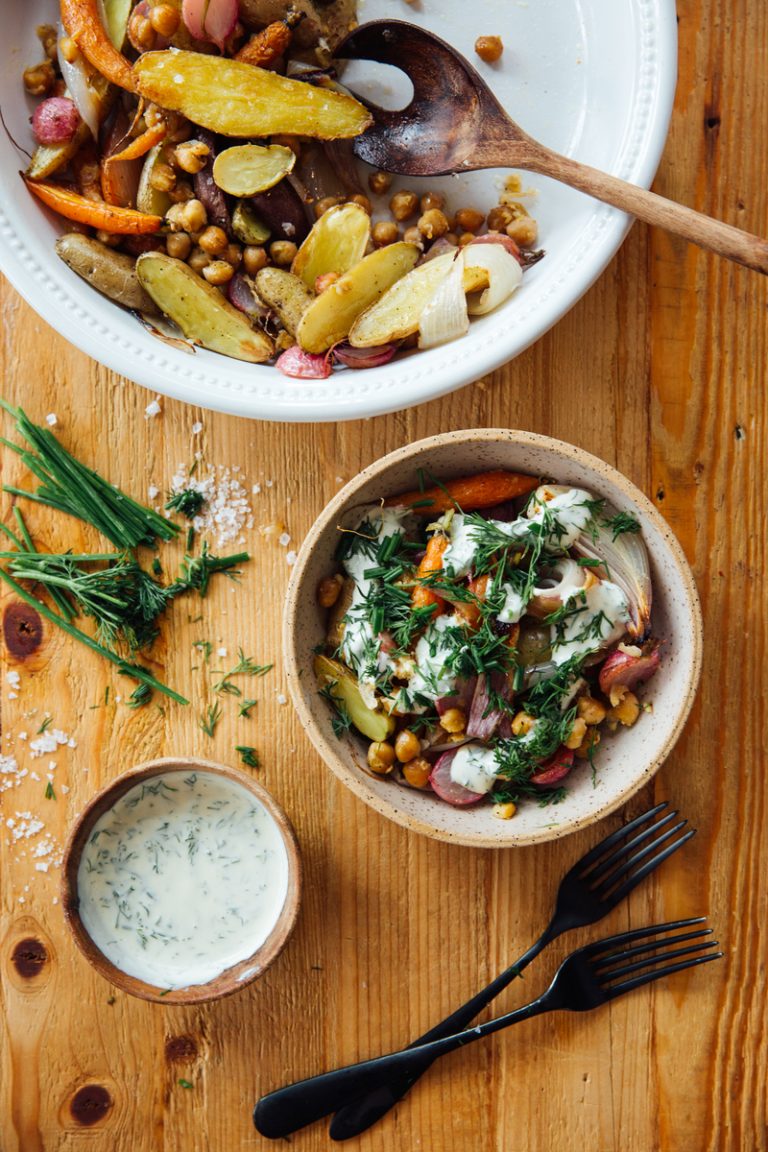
x=725, y=240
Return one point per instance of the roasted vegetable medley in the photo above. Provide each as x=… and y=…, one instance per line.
x=485, y=633
x=202, y=152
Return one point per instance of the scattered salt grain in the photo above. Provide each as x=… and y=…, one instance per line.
x=221, y=651
x=13, y=678
x=256, y=489
x=13, y=695
x=197, y=428
x=291, y=557
x=281, y=699
x=269, y=483
x=153, y=491
x=51, y=420
x=284, y=540
x=48, y=742
x=152, y=409
x=226, y=511
x=42, y=866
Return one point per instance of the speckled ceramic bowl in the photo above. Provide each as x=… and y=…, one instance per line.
x=626, y=761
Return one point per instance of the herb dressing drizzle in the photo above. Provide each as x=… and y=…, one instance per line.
x=185, y=876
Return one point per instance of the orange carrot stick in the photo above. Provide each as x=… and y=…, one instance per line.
x=82, y=22
x=140, y=145
x=468, y=493
x=267, y=46
x=469, y=610
x=97, y=214
x=431, y=561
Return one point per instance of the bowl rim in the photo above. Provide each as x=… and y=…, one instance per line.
x=292, y=655
x=232, y=979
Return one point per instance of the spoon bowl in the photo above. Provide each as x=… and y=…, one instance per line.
x=454, y=123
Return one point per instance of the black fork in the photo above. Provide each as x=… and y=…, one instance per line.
x=586, y=979
x=594, y=886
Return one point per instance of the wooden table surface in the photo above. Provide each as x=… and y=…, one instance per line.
x=661, y=370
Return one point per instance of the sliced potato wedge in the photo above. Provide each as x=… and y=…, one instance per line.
x=110, y=272
x=201, y=312
x=247, y=226
x=285, y=294
x=397, y=314
x=329, y=319
x=335, y=244
x=250, y=168
x=343, y=687
x=48, y=158
x=148, y=198
x=238, y=99
x=476, y=279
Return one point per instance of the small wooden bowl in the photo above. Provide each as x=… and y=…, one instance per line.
x=626, y=762
x=232, y=979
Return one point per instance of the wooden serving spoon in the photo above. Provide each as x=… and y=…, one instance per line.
x=454, y=123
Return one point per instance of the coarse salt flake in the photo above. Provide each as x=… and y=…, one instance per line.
x=153, y=491
x=51, y=419
x=284, y=540
x=281, y=698
x=13, y=678
x=152, y=409
x=291, y=557
x=197, y=428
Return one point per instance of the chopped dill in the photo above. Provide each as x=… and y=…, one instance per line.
x=45, y=725
x=245, y=708
x=248, y=756
x=622, y=522
x=210, y=718
x=49, y=792
x=341, y=721
x=189, y=501
x=140, y=696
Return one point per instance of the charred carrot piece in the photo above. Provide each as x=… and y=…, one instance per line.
x=140, y=145
x=112, y=187
x=267, y=46
x=469, y=610
x=468, y=493
x=96, y=213
x=431, y=561
x=82, y=23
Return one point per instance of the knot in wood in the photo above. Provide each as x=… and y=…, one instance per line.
x=22, y=628
x=90, y=1104
x=29, y=957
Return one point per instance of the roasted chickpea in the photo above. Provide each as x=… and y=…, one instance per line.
x=417, y=772
x=454, y=720
x=140, y=32
x=165, y=19
x=198, y=260
x=190, y=216
x=363, y=201
x=181, y=192
x=432, y=200
x=162, y=177
x=39, y=81
x=625, y=712
x=380, y=182
x=233, y=254
x=384, y=233
x=466, y=238
x=489, y=48
x=283, y=252
x=577, y=734
x=413, y=236
x=433, y=224
x=322, y=206
x=407, y=746
x=504, y=811
x=403, y=205
x=329, y=590
x=69, y=49
x=499, y=217
x=191, y=156
x=213, y=240
x=469, y=219
x=381, y=757
x=590, y=710
x=254, y=259
x=522, y=724
x=178, y=245
x=452, y=238
x=524, y=231
x=46, y=34
x=218, y=272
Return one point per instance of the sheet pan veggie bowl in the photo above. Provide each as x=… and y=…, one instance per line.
x=201, y=154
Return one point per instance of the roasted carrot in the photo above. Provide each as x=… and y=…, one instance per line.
x=431, y=561
x=267, y=46
x=468, y=493
x=95, y=213
x=469, y=610
x=140, y=145
x=120, y=172
x=82, y=22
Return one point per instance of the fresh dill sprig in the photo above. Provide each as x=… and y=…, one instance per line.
x=248, y=756
x=45, y=725
x=140, y=696
x=196, y=571
x=622, y=522
x=189, y=501
x=67, y=485
x=244, y=667
x=49, y=792
x=245, y=708
x=205, y=648
x=210, y=718
x=341, y=721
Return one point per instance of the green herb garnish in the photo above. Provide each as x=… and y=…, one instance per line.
x=188, y=501
x=210, y=719
x=248, y=755
x=49, y=792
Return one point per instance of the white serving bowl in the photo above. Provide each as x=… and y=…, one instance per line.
x=625, y=761
x=590, y=79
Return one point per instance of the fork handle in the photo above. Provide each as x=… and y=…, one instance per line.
x=285, y=1111
x=732, y=243
x=355, y=1116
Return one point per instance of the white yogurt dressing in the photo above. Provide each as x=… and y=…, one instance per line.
x=474, y=766
x=431, y=679
x=604, y=619
x=358, y=640
x=184, y=877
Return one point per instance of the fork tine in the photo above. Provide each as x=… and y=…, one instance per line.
x=615, y=837
x=649, y=977
x=615, y=957
x=607, y=978
x=599, y=871
x=600, y=946
x=632, y=881
x=608, y=881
